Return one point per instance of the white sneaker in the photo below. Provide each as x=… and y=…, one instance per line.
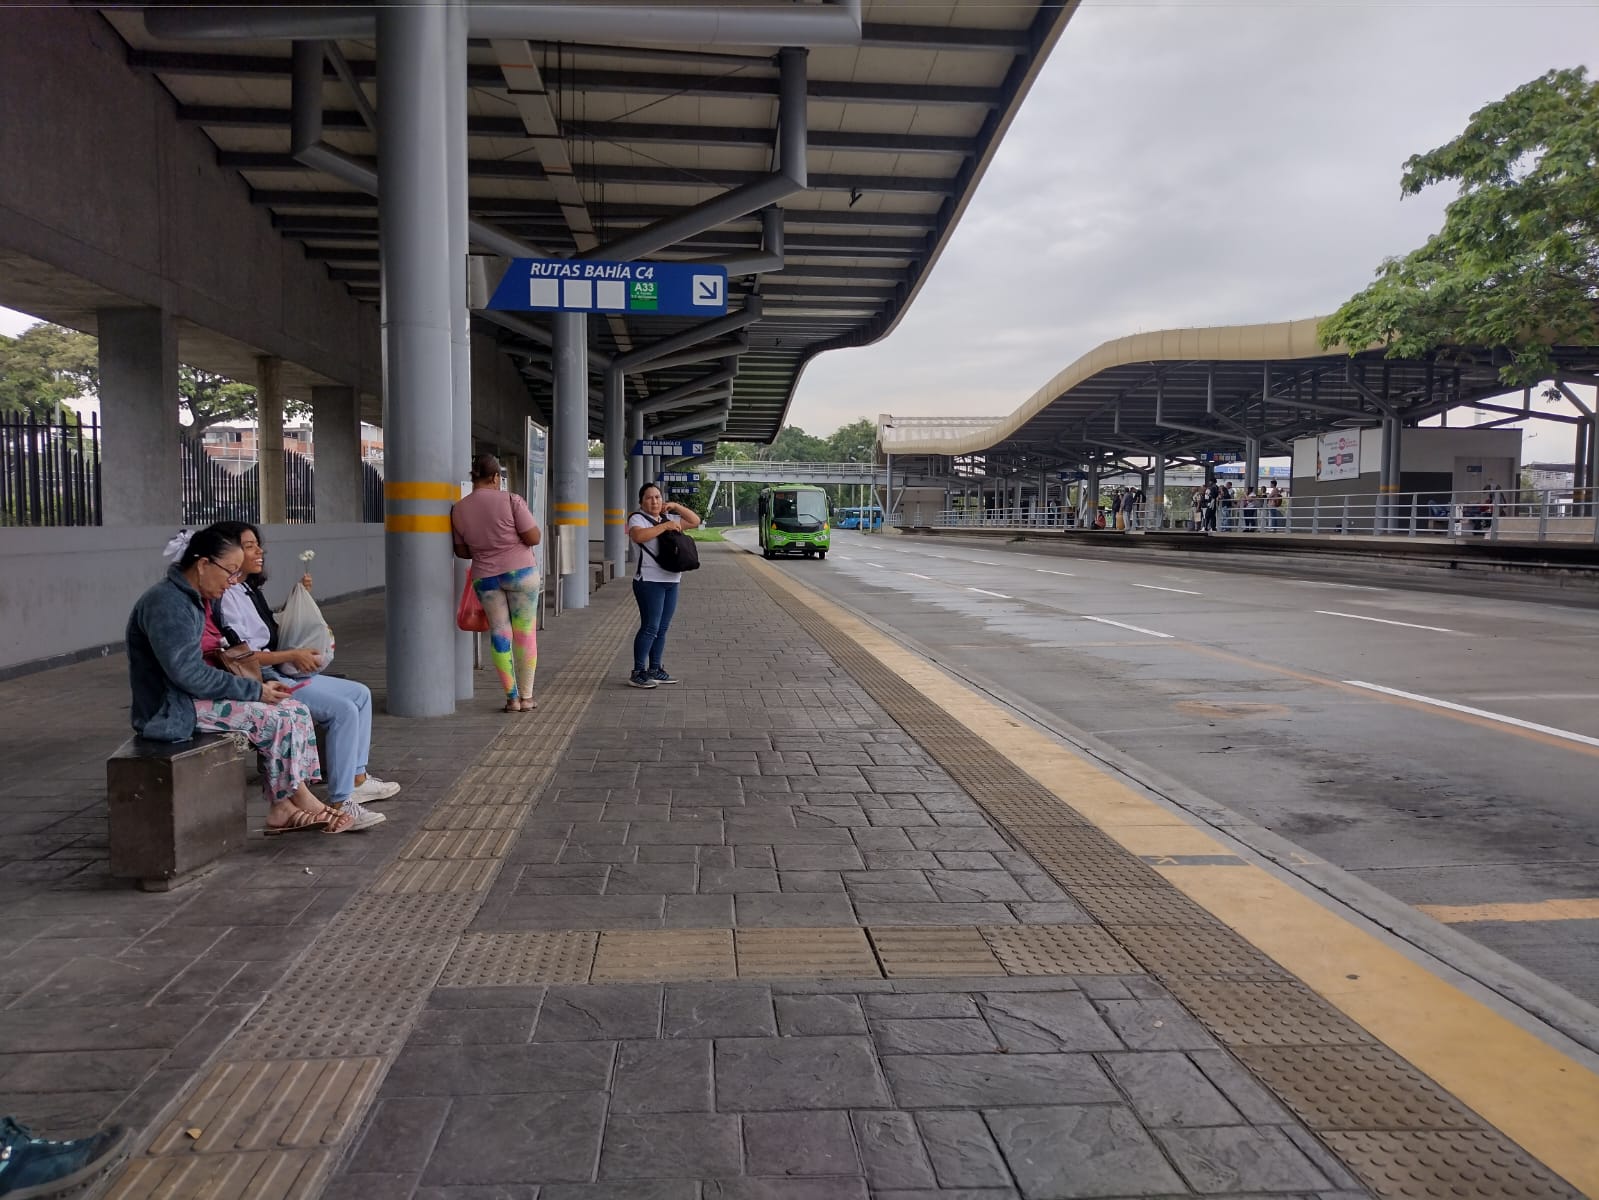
x=373, y=790
x=365, y=818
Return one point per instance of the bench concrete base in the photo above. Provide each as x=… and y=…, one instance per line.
x=174, y=808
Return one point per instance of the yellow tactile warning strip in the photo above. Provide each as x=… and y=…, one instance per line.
x=499, y=959
x=1059, y=950
x=1478, y=1165
x=272, y=1104
x=664, y=955
x=908, y=952
x=1363, y=1087
x=805, y=954
x=1359, y=988
x=1215, y=953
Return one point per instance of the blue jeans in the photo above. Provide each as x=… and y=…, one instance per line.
x=656, y=604
x=345, y=707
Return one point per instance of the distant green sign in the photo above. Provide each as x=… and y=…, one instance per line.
x=642, y=296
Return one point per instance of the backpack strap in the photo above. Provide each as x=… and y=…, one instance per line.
x=639, y=512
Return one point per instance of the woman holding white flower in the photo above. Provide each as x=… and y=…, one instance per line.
x=342, y=705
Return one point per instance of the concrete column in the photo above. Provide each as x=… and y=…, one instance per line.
x=1252, y=463
x=1157, y=499
x=635, y=473
x=269, y=440
x=141, y=470
x=570, y=460
x=460, y=337
x=336, y=438
x=616, y=507
x=423, y=478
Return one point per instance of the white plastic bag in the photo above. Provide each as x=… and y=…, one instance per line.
x=301, y=627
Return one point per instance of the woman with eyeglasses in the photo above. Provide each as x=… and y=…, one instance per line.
x=177, y=693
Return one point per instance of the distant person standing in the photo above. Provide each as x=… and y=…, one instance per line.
x=496, y=530
x=1251, y=507
x=1274, y=506
x=654, y=587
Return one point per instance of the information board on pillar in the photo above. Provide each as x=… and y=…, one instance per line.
x=668, y=449
x=680, y=477
x=647, y=289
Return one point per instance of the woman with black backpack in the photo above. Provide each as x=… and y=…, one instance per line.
x=660, y=568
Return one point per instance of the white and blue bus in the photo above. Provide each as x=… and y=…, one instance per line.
x=868, y=517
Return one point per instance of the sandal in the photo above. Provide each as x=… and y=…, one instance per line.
x=529, y=705
x=300, y=822
x=338, y=821
x=512, y=706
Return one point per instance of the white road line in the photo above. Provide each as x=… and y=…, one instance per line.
x=986, y=592
x=1047, y=571
x=1564, y=734
x=1124, y=625
x=1381, y=621
x=1353, y=587
x=879, y=566
x=1157, y=588
x=983, y=562
x=914, y=575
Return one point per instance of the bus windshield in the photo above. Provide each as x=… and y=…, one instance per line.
x=799, y=512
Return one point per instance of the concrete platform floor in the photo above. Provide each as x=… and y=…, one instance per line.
x=780, y=931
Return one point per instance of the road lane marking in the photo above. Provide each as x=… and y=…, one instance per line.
x=1047, y=571
x=1124, y=625
x=1155, y=587
x=1548, y=730
x=986, y=592
x=914, y=575
x=1539, y=910
x=879, y=566
x=1384, y=621
x=1354, y=587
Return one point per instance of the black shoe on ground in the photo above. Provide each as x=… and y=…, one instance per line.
x=660, y=676
x=640, y=679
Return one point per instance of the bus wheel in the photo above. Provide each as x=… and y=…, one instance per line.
x=821, y=554
x=766, y=552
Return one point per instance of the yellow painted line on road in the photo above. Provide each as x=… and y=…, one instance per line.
x=1584, y=909
x=1541, y=1098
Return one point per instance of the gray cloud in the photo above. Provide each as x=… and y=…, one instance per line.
x=1192, y=164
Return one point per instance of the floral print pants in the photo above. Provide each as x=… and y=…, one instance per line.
x=282, y=734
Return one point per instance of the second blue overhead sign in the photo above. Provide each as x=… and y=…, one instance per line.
x=660, y=289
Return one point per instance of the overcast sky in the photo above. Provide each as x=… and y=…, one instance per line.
x=1192, y=163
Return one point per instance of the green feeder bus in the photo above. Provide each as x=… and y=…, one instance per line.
x=794, y=520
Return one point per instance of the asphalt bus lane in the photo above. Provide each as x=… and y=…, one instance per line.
x=1342, y=718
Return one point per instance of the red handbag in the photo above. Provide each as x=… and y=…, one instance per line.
x=469, y=614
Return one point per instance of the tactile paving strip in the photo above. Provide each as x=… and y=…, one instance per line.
x=842, y=953
x=263, y=1175
x=1411, y=1165
x=326, y=1024
x=370, y=918
x=909, y=952
x=1058, y=950
x=1216, y=953
x=1139, y=905
x=456, y=815
x=1356, y=1087
x=459, y=843
x=1245, y=1013
x=433, y=876
x=508, y=959
x=271, y=1105
x=664, y=955
x=389, y=966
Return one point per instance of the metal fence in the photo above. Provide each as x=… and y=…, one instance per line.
x=50, y=475
x=1525, y=516
x=49, y=471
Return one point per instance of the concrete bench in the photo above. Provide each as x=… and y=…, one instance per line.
x=174, y=808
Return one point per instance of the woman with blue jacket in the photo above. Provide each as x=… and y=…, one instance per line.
x=176, y=692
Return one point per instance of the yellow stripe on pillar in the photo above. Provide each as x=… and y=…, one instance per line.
x=417, y=523
x=570, y=521
x=571, y=506
x=422, y=491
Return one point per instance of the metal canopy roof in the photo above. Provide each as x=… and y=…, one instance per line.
x=1178, y=392
x=901, y=128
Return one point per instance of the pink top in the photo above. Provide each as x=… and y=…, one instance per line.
x=488, y=522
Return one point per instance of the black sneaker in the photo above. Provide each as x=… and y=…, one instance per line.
x=640, y=679
x=32, y=1168
x=660, y=676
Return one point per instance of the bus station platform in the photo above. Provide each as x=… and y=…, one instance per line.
x=819, y=922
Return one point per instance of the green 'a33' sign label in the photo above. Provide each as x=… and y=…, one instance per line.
x=642, y=296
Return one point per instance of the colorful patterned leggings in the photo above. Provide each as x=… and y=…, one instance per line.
x=282, y=734
x=511, y=604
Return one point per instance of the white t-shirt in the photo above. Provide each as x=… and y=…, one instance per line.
x=238, y=611
x=648, y=569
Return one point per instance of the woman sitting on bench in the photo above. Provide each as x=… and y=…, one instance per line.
x=343, y=706
x=177, y=693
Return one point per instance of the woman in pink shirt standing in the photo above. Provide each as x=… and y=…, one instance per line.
x=497, y=532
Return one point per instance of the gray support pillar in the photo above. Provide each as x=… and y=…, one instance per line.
x=1158, y=498
x=336, y=439
x=616, y=508
x=460, y=335
x=1396, y=482
x=570, y=511
x=1093, y=489
x=635, y=468
x=269, y=470
x=141, y=472
x=1252, y=463
x=888, y=490
x=422, y=480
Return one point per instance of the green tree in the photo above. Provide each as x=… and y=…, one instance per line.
x=793, y=444
x=1516, y=264
x=210, y=399
x=45, y=366
x=855, y=442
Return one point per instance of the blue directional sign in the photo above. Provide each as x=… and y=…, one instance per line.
x=680, y=477
x=668, y=449
x=659, y=289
